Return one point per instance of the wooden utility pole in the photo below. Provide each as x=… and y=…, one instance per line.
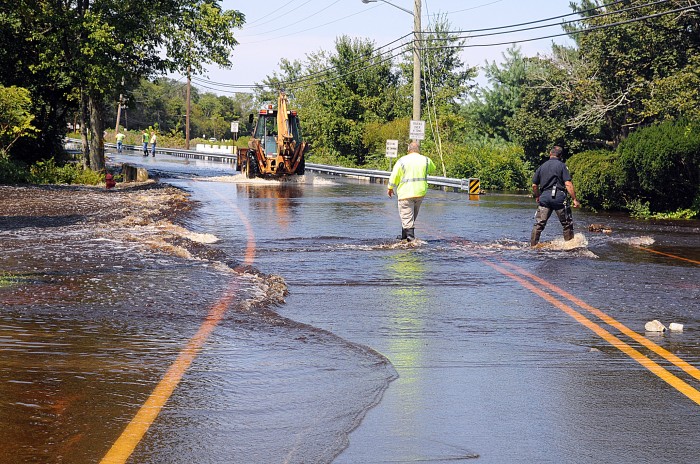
x=119, y=110
x=187, y=117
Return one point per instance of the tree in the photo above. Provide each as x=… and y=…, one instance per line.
x=495, y=105
x=445, y=78
x=83, y=50
x=634, y=58
x=337, y=94
x=15, y=117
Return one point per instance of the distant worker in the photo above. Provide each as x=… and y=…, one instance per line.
x=549, y=186
x=410, y=179
x=153, y=143
x=144, y=140
x=120, y=141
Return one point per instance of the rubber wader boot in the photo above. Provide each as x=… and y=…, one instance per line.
x=402, y=236
x=410, y=235
x=535, y=237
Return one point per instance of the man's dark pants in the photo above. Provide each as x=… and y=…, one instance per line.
x=542, y=216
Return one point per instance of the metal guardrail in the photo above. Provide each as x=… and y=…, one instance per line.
x=371, y=174
x=179, y=152
x=375, y=176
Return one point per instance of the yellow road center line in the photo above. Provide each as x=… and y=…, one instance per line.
x=658, y=370
x=124, y=446
x=688, y=368
x=669, y=255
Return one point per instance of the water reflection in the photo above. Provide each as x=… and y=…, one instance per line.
x=276, y=201
x=408, y=304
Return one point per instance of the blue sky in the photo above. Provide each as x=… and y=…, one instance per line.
x=292, y=29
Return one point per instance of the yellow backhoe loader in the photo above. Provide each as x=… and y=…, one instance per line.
x=276, y=148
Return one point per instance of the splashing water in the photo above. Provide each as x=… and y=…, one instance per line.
x=308, y=179
x=638, y=241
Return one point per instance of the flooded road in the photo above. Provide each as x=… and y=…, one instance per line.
x=466, y=346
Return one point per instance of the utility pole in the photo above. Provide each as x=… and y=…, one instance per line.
x=119, y=110
x=416, y=59
x=187, y=117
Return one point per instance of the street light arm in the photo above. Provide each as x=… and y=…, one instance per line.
x=389, y=3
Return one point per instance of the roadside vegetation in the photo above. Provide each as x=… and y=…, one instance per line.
x=623, y=101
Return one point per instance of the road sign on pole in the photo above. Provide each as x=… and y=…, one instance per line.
x=392, y=148
x=417, y=130
x=234, y=126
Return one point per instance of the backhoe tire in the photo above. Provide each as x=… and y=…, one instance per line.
x=301, y=167
x=251, y=169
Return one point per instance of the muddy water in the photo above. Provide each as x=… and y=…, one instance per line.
x=486, y=369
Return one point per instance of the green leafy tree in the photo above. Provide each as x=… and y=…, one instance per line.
x=15, y=117
x=337, y=94
x=495, y=105
x=93, y=46
x=445, y=78
x=635, y=58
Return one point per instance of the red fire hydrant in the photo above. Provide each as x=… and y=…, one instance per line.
x=109, y=181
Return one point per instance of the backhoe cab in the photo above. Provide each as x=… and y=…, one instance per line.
x=276, y=148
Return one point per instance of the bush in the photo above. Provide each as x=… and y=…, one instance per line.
x=598, y=178
x=499, y=165
x=12, y=172
x=661, y=164
x=48, y=172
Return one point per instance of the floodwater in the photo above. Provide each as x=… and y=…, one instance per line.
x=340, y=344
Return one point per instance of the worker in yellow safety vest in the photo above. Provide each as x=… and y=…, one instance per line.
x=410, y=180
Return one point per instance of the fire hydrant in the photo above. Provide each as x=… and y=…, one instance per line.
x=109, y=181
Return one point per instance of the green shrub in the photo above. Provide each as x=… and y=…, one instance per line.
x=598, y=178
x=48, y=172
x=638, y=209
x=661, y=164
x=499, y=165
x=12, y=172
x=686, y=213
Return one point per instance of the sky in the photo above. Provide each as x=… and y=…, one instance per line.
x=291, y=29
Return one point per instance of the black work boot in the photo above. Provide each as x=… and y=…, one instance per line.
x=568, y=234
x=410, y=235
x=402, y=236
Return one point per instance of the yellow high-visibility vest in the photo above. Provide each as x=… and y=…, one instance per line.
x=409, y=178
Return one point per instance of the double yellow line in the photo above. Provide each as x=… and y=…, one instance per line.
x=124, y=446
x=528, y=280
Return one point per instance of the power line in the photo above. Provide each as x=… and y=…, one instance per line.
x=365, y=63
x=582, y=31
x=462, y=46
x=500, y=32
x=290, y=25
x=309, y=29
x=275, y=11
x=310, y=76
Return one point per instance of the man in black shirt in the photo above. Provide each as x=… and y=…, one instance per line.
x=549, y=186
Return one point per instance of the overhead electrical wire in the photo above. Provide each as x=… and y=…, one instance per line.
x=308, y=29
x=290, y=25
x=365, y=63
x=582, y=31
x=321, y=72
x=266, y=16
x=500, y=32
